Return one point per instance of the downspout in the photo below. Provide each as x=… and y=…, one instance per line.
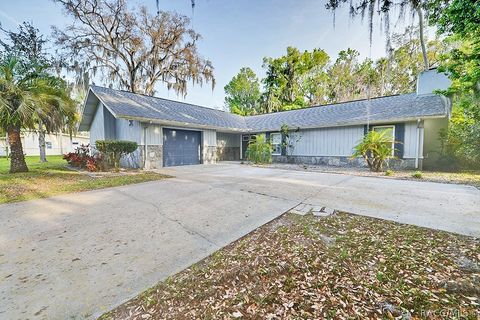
x=417, y=153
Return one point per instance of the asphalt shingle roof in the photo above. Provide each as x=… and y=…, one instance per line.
x=127, y=104
x=384, y=109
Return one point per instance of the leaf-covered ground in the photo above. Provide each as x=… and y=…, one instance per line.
x=338, y=267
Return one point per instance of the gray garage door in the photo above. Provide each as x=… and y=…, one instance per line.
x=181, y=147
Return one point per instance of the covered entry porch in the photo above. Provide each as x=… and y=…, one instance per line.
x=229, y=146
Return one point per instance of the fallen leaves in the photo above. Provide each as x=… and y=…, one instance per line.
x=367, y=269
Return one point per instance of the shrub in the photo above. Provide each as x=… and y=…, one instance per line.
x=259, y=150
x=114, y=150
x=389, y=172
x=417, y=175
x=95, y=163
x=78, y=158
x=460, y=142
x=81, y=158
x=375, y=148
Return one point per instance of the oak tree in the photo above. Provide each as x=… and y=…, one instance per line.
x=131, y=48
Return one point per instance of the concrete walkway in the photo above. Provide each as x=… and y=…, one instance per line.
x=76, y=256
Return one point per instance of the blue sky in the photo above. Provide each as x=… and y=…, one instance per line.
x=235, y=33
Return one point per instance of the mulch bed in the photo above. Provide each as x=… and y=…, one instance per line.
x=338, y=267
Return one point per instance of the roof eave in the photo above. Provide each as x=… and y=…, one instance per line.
x=357, y=123
x=181, y=124
x=84, y=123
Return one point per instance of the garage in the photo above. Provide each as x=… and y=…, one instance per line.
x=181, y=147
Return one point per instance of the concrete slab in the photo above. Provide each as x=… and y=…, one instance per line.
x=76, y=256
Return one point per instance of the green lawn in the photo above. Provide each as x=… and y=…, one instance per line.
x=53, y=178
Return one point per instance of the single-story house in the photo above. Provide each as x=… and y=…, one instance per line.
x=171, y=133
x=55, y=143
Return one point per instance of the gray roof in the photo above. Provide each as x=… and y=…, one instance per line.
x=125, y=104
x=377, y=110
x=397, y=108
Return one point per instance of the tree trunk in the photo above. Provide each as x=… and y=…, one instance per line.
x=422, y=37
x=17, y=158
x=41, y=142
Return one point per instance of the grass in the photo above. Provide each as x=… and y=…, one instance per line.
x=339, y=267
x=470, y=177
x=53, y=178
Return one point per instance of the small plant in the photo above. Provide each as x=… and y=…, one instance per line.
x=389, y=173
x=417, y=175
x=259, y=150
x=95, y=163
x=81, y=158
x=375, y=148
x=290, y=138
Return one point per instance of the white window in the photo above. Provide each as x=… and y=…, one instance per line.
x=391, y=129
x=48, y=144
x=276, y=141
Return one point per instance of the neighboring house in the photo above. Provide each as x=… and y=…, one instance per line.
x=171, y=133
x=55, y=143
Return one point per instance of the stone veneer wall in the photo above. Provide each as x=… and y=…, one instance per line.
x=154, y=157
x=228, y=153
x=209, y=154
x=341, y=161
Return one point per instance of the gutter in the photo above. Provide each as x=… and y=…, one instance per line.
x=182, y=124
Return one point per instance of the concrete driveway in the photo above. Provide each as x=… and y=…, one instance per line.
x=76, y=256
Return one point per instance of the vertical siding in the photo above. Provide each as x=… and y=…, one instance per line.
x=327, y=141
x=133, y=160
x=228, y=139
x=410, y=142
x=97, y=128
x=125, y=131
x=155, y=135
x=209, y=138
x=109, y=123
x=135, y=132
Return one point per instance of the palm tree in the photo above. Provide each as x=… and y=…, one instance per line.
x=27, y=94
x=55, y=113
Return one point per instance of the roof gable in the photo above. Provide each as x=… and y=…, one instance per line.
x=125, y=104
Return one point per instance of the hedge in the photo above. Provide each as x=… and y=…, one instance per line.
x=114, y=150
